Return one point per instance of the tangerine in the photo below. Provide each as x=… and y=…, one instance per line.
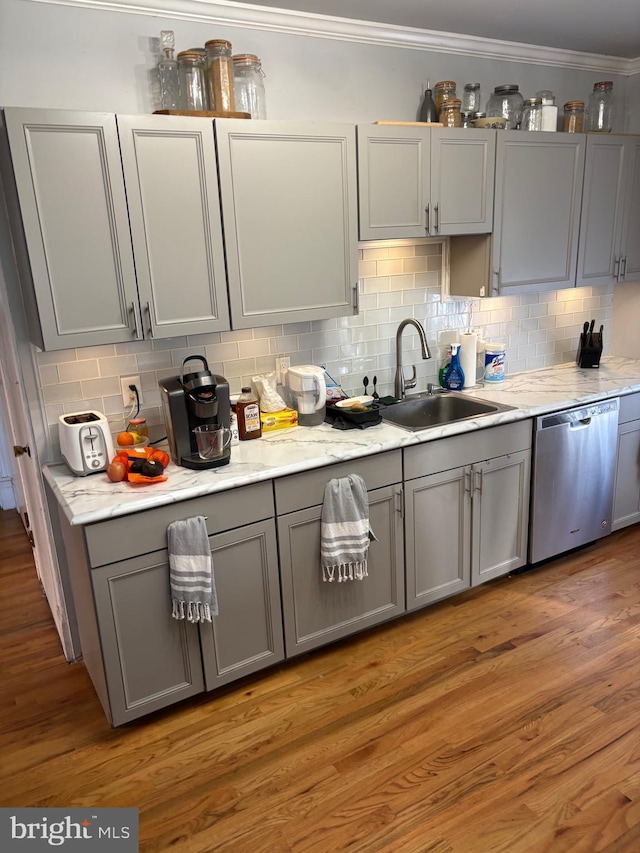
x=125, y=438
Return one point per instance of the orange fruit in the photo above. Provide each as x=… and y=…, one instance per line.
x=125, y=438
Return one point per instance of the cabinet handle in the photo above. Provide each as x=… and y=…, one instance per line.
x=467, y=482
x=436, y=217
x=497, y=276
x=426, y=213
x=150, y=330
x=136, y=327
x=479, y=476
x=616, y=269
x=356, y=297
x=400, y=502
x=623, y=268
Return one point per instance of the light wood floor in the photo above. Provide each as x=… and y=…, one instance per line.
x=506, y=719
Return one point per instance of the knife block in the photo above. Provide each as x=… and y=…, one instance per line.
x=589, y=349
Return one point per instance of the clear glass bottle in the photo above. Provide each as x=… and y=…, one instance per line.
x=471, y=98
x=248, y=414
x=573, y=120
x=601, y=108
x=220, y=75
x=506, y=101
x=532, y=114
x=168, y=73
x=549, y=117
x=191, y=74
x=248, y=84
x=450, y=113
x=443, y=91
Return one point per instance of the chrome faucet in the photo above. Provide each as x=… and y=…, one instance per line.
x=401, y=384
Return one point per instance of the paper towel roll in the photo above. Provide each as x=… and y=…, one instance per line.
x=469, y=358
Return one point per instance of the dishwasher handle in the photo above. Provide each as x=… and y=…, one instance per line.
x=576, y=418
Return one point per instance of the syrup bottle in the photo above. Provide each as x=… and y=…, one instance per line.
x=248, y=413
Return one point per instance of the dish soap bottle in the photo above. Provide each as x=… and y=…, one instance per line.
x=454, y=377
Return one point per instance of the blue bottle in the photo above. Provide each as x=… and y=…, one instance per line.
x=454, y=376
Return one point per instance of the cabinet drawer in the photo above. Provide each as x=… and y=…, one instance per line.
x=299, y=491
x=143, y=532
x=629, y=408
x=467, y=449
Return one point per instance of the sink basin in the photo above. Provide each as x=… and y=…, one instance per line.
x=424, y=411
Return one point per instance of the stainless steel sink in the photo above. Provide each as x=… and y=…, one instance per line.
x=423, y=411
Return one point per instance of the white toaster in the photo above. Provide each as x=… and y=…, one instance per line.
x=85, y=442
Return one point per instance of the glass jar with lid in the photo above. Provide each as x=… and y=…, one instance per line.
x=248, y=82
x=507, y=102
x=601, y=108
x=532, y=114
x=573, y=121
x=192, y=81
x=443, y=91
x=471, y=98
x=449, y=114
x=168, y=73
x=220, y=75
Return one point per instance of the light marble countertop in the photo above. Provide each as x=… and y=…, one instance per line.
x=95, y=498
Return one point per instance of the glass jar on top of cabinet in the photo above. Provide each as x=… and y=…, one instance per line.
x=248, y=82
x=220, y=75
x=443, y=91
x=573, y=120
x=532, y=114
x=471, y=98
x=601, y=108
x=507, y=102
x=191, y=79
x=449, y=114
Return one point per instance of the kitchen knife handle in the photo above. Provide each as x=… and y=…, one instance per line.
x=426, y=214
x=136, y=327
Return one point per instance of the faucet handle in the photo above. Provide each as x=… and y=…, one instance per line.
x=411, y=383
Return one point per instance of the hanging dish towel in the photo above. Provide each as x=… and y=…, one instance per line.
x=193, y=591
x=344, y=529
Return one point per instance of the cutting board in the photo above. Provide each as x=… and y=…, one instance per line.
x=413, y=123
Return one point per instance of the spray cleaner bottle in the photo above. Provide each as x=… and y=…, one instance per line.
x=454, y=377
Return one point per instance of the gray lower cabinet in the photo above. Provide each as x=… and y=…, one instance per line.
x=139, y=658
x=626, y=500
x=318, y=612
x=421, y=182
x=79, y=277
x=466, y=523
x=289, y=206
x=538, y=193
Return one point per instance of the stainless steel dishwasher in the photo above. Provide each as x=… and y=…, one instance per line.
x=573, y=478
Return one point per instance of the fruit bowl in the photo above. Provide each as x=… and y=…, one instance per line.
x=123, y=442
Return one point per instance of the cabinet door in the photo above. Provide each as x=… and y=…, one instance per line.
x=537, y=210
x=393, y=181
x=500, y=515
x=290, y=220
x=438, y=536
x=602, y=209
x=462, y=178
x=70, y=185
x=626, y=500
x=630, y=244
x=174, y=206
x=151, y=660
x=247, y=633
x=318, y=612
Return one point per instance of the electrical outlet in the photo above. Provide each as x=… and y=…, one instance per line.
x=282, y=365
x=128, y=396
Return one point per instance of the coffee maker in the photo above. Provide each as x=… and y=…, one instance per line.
x=191, y=400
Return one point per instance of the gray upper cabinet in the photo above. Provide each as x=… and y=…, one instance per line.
x=417, y=182
x=171, y=181
x=610, y=221
x=70, y=187
x=290, y=219
x=538, y=193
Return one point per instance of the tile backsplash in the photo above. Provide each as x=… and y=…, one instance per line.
x=398, y=279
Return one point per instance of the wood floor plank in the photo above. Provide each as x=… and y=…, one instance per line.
x=505, y=719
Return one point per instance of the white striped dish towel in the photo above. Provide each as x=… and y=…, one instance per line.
x=193, y=591
x=345, y=532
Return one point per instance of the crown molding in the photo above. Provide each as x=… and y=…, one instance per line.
x=344, y=29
